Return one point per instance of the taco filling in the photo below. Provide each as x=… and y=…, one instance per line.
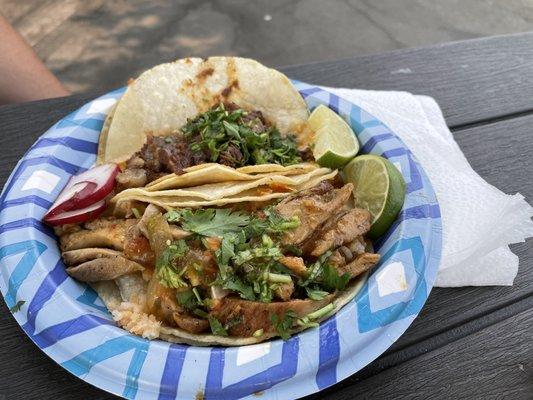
x=226, y=134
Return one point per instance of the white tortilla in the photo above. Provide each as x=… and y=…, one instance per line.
x=215, y=173
x=223, y=189
x=162, y=99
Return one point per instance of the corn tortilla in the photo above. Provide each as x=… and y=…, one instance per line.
x=162, y=99
x=215, y=191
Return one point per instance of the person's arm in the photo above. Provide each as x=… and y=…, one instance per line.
x=23, y=76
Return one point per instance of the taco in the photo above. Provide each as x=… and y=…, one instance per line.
x=226, y=276
x=164, y=98
x=216, y=226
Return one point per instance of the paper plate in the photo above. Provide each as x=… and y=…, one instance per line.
x=70, y=324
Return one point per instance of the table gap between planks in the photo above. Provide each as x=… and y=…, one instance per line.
x=467, y=342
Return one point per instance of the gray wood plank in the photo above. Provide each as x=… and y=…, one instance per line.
x=472, y=80
x=494, y=363
x=27, y=373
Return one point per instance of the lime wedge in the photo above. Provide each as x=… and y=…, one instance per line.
x=378, y=187
x=335, y=143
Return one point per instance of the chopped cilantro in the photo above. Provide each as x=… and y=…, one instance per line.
x=331, y=280
x=187, y=299
x=216, y=327
x=264, y=290
x=271, y=223
x=247, y=256
x=258, y=252
x=17, y=306
x=315, y=294
x=201, y=313
x=315, y=270
x=324, y=275
x=278, y=278
x=321, y=312
x=306, y=323
x=283, y=324
x=166, y=265
x=237, y=285
x=213, y=221
x=230, y=323
x=266, y=249
x=197, y=295
x=227, y=249
x=238, y=138
x=173, y=215
x=295, y=250
x=278, y=224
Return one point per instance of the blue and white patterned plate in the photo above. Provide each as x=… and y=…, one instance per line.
x=69, y=323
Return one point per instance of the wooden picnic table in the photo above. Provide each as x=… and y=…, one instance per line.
x=472, y=342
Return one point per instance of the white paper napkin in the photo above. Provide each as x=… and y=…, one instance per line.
x=479, y=221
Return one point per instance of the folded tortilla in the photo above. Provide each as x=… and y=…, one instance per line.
x=219, y=190
x=259, y=190
x=162, y=99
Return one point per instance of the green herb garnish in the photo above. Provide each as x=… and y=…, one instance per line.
x=258, y=252
x=17, y=306
x=173, y=215
x=167, y=265
x=314, y=271
x=321, y=312
x=331, y=280
x=233, y=322
x=278, y=224
x=247, y=256
x=297, y=251
x=315, y=294
x=216, y=327
x=211, y=221
x=278, y=278
x=284, y=324
x=187, y=299
x=236, y=284
x=227, y=249
x=321, y=274
x=238, y=138
x=272, y=223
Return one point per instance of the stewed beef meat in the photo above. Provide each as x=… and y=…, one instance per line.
x=167, y=154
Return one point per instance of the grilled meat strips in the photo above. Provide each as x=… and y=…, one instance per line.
x=343, y=228
x=254, y=315
x=313, y=207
